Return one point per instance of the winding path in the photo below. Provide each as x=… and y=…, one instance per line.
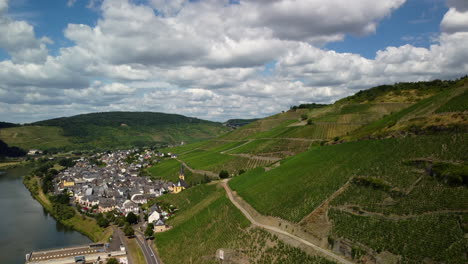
x=324, y=251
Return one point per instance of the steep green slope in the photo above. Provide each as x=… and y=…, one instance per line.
x=207, y=221
x=112, y=130
x=35, y=137
x=379, y=175
x=386, y=185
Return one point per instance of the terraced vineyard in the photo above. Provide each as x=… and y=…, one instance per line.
x=206, y=214
x=381, y=175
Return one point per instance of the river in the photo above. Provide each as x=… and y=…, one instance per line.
x=25, y=225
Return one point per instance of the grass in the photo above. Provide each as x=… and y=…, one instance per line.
x=30, y=137
x=419, y=109
x=135, y=251
x=9, y=164
x=312, y=176
x=167, y=169
x=207, y=221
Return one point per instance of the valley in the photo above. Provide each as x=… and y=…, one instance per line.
x=378, y=177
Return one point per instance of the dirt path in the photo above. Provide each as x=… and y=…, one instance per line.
x=250, y=156
x=325, y=204
x=202, y=172
x=248, y=141
x=356, y=210
x=255, y=222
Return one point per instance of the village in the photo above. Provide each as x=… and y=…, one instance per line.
x=114, y=185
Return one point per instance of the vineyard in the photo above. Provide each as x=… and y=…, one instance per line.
x=456, y=104
x=312, y=176
x=270, y=147
x=436, y=237
x=207, y=221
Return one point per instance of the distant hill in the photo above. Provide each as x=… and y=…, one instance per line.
x=7, y=125
x=111, y=130
x=380, y=175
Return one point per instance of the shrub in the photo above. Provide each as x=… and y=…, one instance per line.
x=223, y=174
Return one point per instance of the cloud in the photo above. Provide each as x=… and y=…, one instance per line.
x=19, y=40
x=71, y=3
x=3, y=6
x=321, y=21
x=212, y=59
x=455, y=21
x=460, y=5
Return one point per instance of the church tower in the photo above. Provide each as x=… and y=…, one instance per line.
x=182, y=173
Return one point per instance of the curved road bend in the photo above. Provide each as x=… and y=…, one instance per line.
x=150, y=255
x=326, y=252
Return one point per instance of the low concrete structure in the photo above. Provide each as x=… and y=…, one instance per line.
x=91, y=252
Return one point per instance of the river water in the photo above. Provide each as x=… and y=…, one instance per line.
x=24, y=225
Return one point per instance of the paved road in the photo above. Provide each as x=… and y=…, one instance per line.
x=326, y=252
x=147, y=250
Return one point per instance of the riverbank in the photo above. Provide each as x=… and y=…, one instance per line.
x=81, y=223
x=10, y=164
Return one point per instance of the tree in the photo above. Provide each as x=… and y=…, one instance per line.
x=149, y=230
x=223, y=174
x=304, y=117
x=131, y=218
x=112, y=261
x=102, y=221
x=128, y=230
x=241, y=171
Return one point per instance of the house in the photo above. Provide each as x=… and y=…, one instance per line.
x=139, y=198
x=129, y=206
x=106, y=205
x=154, y=214
x=160, y=226
x=34, y=152
x=180, y=185
x=68, y=182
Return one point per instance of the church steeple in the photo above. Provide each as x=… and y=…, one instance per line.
x=182, y=173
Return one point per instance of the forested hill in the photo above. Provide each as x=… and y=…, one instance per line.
x=111, y=130
x=116, y=119
x=6, y=125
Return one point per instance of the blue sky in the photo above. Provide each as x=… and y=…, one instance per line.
x=416, y=23
x=217, y=59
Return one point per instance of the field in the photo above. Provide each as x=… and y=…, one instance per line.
x=168, y=169
x=207, y=221
x=29, y=137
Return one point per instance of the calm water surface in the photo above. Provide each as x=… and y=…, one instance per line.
x=25, y=225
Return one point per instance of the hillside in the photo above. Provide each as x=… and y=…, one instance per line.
x=378, y=176
x=111, y=130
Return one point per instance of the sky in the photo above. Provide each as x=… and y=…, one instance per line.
x=217, y=59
